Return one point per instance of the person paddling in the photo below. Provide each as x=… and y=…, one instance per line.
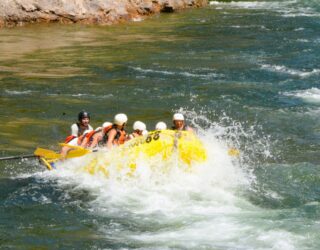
x=76, y=141
x=179, y=123
x=82, y=125
x=97, y=137
x=117, y=135
x=78, y=131
x=138, y=130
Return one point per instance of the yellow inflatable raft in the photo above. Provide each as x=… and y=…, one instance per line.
x=157, y=147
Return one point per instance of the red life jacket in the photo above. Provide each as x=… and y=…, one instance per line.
x=69, y=138
x=81, y=138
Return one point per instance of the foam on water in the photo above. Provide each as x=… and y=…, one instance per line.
x=208, y=75
x=308, y=95
x=293, y=8
x=251, y=4
x=16, y=92
x=294, y=72
x=83, y=95
x=177, y=208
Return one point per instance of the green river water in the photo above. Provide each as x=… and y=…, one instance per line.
x=245, y=74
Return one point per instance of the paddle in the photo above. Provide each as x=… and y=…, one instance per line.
x=46, y=153
x=77, y=150
x=17, y=157
x=39, y=152
x=49, y=154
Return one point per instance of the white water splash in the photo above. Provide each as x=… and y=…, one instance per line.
x=178, y=73
x=178, y=209
x=308, y=95
x=284, y=8
x=294, y=72
x=82, y=95
x=16, y=92
x=251, y=4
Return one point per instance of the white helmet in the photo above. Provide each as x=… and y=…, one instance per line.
x=120, y=119
x=139, y=126
x=106, y=124
x=161, y=126
x=178, y=117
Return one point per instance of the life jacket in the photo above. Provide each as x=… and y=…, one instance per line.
x=120, y=137
x=105, y=132
x=81, y=138
x=69, y=138
x=89, y=137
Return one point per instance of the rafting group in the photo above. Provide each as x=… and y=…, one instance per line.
x=112, y=134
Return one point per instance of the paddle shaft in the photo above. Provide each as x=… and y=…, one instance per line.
x=17, y=157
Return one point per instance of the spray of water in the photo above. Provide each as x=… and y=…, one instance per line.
x=165, y=205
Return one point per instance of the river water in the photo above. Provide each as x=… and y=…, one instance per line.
x=246, y=75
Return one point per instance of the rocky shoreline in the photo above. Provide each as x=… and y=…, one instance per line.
x=103, y=12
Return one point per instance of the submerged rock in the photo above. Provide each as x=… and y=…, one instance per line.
x=19, y=12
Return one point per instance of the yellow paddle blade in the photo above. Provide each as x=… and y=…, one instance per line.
x=46, y=163
x=77, y=152
x=49, y=154
x=46, y=153
x=70, y=146
x=233, y=152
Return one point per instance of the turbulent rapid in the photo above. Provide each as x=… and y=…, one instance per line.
x=164, y=208
x=246, y=76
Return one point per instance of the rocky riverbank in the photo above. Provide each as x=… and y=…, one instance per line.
x=104, y=12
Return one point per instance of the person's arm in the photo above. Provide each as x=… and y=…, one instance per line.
x=84, y=143
x=95, y=140
x=111, y=136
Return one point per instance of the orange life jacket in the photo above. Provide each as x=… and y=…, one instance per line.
x=90, y=135
x=81, y=138
x=120, y=137
x=105, y=132
x=69, y=138
x=107, y=129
